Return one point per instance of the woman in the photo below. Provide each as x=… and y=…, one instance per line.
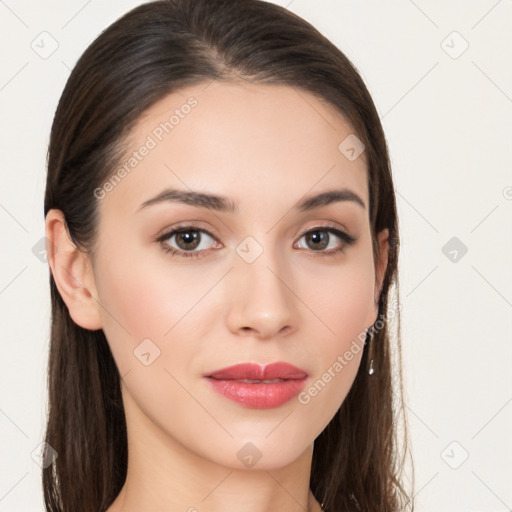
x=222, y=238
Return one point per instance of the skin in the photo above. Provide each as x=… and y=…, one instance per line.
x=264, y=147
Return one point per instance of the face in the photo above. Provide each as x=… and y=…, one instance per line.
x=262, y=282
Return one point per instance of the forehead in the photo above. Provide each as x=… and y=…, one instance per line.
x=242, y=140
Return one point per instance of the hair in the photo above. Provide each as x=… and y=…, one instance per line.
x=150, y=52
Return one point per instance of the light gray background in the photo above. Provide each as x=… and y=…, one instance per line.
x=448, y=121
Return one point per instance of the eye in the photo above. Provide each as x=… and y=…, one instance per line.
x=191, y=243
x=189, y=239
x=320, y=238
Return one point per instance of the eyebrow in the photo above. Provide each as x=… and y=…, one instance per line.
x=224, y=204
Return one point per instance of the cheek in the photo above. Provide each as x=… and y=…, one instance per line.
x=343, y=309
x=151, y=305
x=150, y=322
x=143, y=308
x=340, y=298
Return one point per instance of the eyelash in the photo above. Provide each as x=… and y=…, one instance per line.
x=347, y=239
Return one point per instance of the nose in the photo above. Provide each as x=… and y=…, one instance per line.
x=262, y=302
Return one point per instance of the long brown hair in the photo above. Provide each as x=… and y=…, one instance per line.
x=150, y=52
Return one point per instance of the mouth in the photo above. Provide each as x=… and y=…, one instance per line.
x=253, y=381
x=257, y=387
x=247, y=372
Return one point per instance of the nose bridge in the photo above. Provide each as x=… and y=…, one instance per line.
x=262, y=299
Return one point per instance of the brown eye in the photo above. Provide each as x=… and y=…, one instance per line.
x=318, y=239
x=189, y=241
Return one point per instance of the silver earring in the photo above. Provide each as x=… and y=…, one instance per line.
x=371, y=371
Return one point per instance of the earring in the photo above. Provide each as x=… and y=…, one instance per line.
x=370, y=355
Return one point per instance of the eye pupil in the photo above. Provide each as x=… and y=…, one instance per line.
x=190, y=237
x=318, y=237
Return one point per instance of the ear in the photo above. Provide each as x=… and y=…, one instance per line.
x=72, y=272
x=381, y=266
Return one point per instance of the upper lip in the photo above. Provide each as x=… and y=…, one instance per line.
x=255, y=371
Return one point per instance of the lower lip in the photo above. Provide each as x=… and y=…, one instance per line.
x=258, y=396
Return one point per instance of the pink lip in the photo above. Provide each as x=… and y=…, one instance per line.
x=256, y=371
x=227, y=381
